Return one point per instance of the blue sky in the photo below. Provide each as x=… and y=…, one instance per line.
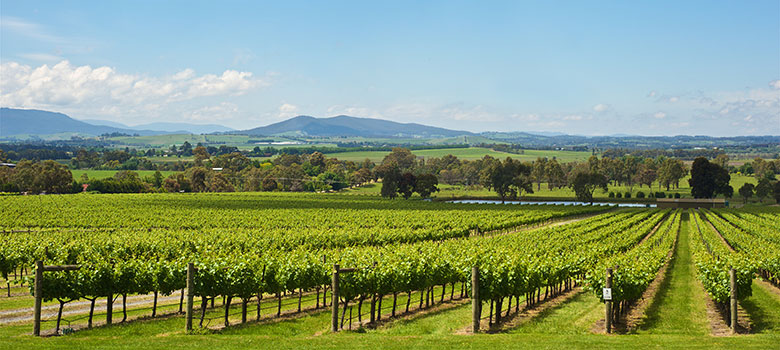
x=599, y=67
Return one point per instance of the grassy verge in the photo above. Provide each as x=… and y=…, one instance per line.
x=680, y=306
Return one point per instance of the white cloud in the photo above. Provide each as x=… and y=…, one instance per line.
x=674, y=99
x=41, y=57
x=652, y=93
x=223, y=111
x=103, y=90
x=775, y=84
x=573, y=117
x=601, y=107
x=659, y=115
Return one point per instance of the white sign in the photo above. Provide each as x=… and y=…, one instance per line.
x=607, y=294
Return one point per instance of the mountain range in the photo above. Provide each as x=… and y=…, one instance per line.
x=19, y=124
x=25, y=122
x=343, y=125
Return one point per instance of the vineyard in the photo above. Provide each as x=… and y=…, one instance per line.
x=267, y=261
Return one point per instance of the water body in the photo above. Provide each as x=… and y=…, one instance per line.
x=485, y=201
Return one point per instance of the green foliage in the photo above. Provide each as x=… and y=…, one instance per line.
x=709, y=179
x=585, y=183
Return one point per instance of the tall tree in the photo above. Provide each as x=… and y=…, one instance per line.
x=508, y=179
x=763, y=189
x=426, y=185
x=709, y=179
x=671, y=172
x=539, y=173
x=584, y=183
x=746, y=191
x=406, y=184
x=402, y=157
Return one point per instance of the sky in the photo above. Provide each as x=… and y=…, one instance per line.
x=577, y=67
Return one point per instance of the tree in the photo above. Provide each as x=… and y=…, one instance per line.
x=390, y=175
x=406, y=184
x=197, y=177
x=763, y=189
x=426, y=185
x=218, y=183
x=336, y=180
x=671, y=172
x=186, y=149
x=157, y=178
x=646, y=174
x=556, y=177
x=709, y=179
x=402, y=157
x=746, y=191
x=269, y=184
x=777, y=191
x=763, y=169
x=508, y=178
x=234, y=161
x=722, y=160
x=361, y=176
x=585, y=183
x=201, y=154
x=317, y=159
x=539, y=172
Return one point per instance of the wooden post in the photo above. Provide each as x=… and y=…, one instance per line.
x=38, y=297
x=476, y=305
x=190, y=294
x=733, y=296
x=608, y=303
x=335, y=314
x=109, y=308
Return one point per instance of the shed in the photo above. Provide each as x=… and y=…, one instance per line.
x=691, y=203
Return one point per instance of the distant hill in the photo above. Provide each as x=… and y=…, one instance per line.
x=350, y=126
x=187, y=127
x=105, y=123
x=175, y=128
x=36, y=122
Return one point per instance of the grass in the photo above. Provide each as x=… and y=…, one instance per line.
x=453, y=191
x=759, y=306
x=680, y=306
x=470, y=153
x=574, y=316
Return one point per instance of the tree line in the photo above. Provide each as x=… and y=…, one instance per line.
x=401, y=173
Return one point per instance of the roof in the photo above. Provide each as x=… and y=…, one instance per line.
x=691, y=200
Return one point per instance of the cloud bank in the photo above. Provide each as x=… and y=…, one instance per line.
x=105, y=91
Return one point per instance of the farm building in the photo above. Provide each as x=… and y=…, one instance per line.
x=691, y=203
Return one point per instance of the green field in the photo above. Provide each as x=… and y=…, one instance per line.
x=295, y=231
x=453, y=191
x=470, y=153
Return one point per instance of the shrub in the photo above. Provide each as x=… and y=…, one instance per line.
x=660, y=195
x=640, y=194
x=676, y=195
x=627, y=195
x=618, y=195
x=612, y=195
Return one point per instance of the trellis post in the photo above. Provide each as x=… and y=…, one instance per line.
x=190, y=294
x=476, y=305
x=38, y=297
x=608, y=302
x=334, y=322
x=733, y=297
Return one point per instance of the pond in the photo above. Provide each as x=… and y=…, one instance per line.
x=486, y=201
